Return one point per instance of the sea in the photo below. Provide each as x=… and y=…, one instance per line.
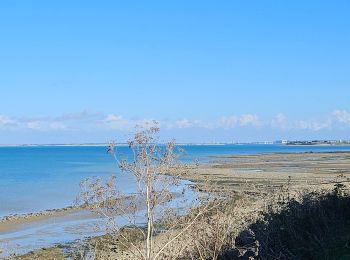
x=37, y=178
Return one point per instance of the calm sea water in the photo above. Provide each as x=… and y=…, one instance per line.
x=38, y=178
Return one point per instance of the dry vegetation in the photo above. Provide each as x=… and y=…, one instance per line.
x=295, y=222
x=157, y=174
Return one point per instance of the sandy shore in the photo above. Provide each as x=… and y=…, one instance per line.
x=14, y=222
x=17, y=222
x=274, y=170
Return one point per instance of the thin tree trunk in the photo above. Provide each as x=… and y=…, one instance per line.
x=149, y=222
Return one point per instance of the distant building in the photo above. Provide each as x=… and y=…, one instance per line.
x=281, y=142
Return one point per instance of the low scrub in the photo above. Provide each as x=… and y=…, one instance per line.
x=315, y=227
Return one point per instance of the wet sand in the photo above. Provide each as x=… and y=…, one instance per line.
x=15, y=222
x=274, y=170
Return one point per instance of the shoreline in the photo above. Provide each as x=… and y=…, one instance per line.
x=264, y=171
x=12, y=223
x=18, y=219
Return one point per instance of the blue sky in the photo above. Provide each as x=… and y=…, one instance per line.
x=87, y=71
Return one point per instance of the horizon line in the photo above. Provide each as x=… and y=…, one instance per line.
x=277, y=141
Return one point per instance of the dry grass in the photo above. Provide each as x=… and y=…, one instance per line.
x=313, y=225
x=296, y=222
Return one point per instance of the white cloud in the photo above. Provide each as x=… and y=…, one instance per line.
x=188, y=123
x=183, y=123
x=45, y=125
x=86, y=121
x=85, y=115
x=249, y=119
x=228, y=122
x=116, y=122
x=34, y=125
x=280, y=120
x=313, y=125
x=57, y=126
x=6, y=121
x=342, y=116
x=232, y=121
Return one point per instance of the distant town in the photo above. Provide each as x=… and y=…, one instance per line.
x=307, y=142
x=315, y=142
x=281, y=142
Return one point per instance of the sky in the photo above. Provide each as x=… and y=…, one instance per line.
x=207, y=71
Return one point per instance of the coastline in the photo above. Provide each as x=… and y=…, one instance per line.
x=237, y=167
x=14, y=222
x=265, y=171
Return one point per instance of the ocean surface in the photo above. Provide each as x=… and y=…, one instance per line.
x=46, y=177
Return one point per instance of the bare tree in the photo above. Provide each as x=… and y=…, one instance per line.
x=157, y=173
